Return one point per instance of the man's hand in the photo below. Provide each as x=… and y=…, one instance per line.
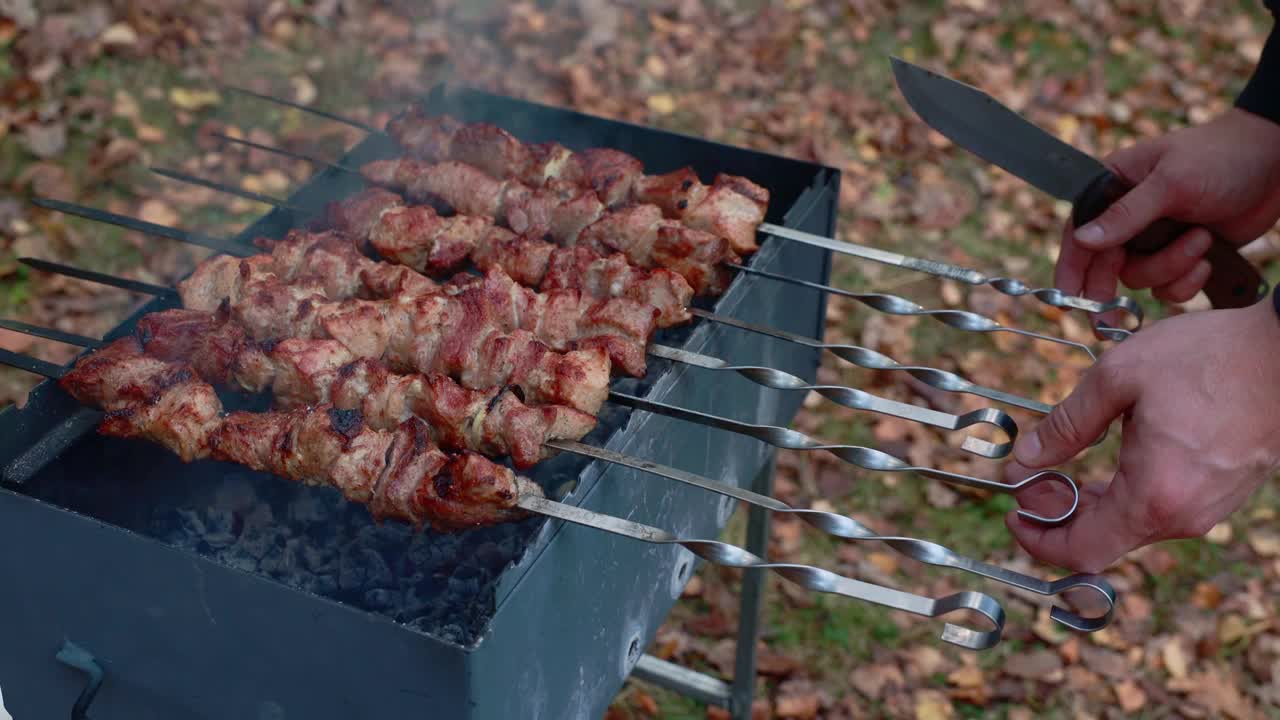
x=1200, y=397
x=1224, y=176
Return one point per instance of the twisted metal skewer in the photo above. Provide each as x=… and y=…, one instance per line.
x=966, y=320
x=872, y=360
x=1006, y=285
x=862, y=400
x=806, y=576
x=845, y=527
x=863, y=457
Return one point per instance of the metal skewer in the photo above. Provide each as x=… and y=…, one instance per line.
x=807, y=576
x=767, y=377
x=863, y=457
x=891, y=304
x=846, y=527
x=969, y=276
x=872, y=360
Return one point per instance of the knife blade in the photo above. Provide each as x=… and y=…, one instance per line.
x=980, y=124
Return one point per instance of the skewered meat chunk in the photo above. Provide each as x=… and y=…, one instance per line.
x=610, y=173
x=400, y=474
x=145, y=397
x=611, y=275
x=732, y=209
x=358, y=214
x=179, y=418
x=674, y=192
x=420, y=238
x=307, y=372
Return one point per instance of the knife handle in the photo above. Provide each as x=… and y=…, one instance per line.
x=1233, y=281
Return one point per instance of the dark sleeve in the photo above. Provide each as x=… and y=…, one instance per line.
x=1262, y=95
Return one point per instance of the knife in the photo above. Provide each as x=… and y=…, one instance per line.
x=978, y=122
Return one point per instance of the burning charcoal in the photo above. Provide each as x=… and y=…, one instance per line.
x=382, y=599
x=282, y=561
x=190, y=524
x=221, y=527
x=236, y=559
x=352, y=574
x=257, y=543
x=319, y=560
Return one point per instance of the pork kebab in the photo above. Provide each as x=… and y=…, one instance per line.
x=399, y=472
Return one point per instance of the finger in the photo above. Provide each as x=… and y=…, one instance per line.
x=1168, y=265
x=1102, y=279
x=1096, y=535
x=1129, y=215
x=1106, y=391
x=1073, y=264
x=1185, y=287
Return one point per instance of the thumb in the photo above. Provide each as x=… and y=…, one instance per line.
x=1141, y=206
x=1129, y=215
x=1102, y=396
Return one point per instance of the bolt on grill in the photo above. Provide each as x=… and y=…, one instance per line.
x=227, y=593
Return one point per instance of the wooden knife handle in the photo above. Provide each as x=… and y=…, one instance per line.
x=1233, y=281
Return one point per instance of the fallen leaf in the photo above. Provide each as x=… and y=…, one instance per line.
x=45, y=141
x=304, y=90
x=797, y=699
x=933, y=705
x=1107, y=663
x=1035, y=665
x=941, y=496
x=119, y=35
x=1264, y=542
x=159, y=212
x=150, y=133
x=873, y=680
x=966, y=676
x=662, y=104
x=1131, y=697
x=1174, y=657
x=1219, y=534
x=1206, y=595
x=645, y=703
x=193, y=100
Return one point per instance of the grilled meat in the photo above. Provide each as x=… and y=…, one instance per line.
x=398, y=472
x=731, y=208
x=567, y=214
x=418, y=237
x=302, y=372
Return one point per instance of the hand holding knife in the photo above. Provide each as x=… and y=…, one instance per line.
x=977, y=122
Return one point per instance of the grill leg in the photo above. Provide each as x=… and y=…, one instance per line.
x=752, y=601
x=713, y=691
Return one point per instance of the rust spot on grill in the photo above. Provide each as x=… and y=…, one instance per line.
x=346, y=422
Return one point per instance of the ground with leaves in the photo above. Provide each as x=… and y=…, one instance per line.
x=92, y=93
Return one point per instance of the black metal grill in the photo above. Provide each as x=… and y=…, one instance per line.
x=207, y=591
